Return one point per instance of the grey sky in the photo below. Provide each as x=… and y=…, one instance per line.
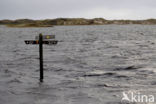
x=108, y=9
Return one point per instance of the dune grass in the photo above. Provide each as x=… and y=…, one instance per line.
x=71, y=21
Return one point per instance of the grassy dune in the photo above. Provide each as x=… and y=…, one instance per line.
x=71, y=21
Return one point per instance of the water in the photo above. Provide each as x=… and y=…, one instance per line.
x=89, y=65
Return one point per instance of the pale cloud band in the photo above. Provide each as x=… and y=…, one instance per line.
x=109, y=9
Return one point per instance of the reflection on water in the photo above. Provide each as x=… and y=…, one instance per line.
x=89, y=65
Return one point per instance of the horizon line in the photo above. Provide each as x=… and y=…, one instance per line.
x=76, y=18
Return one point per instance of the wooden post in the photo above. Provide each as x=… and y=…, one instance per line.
x=41, y=57
x=40, y=40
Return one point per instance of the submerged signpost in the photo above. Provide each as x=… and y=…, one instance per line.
x=42, y=39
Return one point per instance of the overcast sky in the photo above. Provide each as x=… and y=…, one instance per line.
x=48, y=9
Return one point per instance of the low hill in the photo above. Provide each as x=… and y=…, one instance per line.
x=71, y=21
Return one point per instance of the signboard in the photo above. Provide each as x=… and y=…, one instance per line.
x=48, y=42
x=46, y=37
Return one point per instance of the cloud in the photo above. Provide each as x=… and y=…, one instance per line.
x=109, y=9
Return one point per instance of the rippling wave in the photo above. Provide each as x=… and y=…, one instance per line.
x=89, y=65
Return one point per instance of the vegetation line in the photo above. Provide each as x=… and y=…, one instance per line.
x=71, y=21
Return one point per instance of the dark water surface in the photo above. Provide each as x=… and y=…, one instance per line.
x=90, y=64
